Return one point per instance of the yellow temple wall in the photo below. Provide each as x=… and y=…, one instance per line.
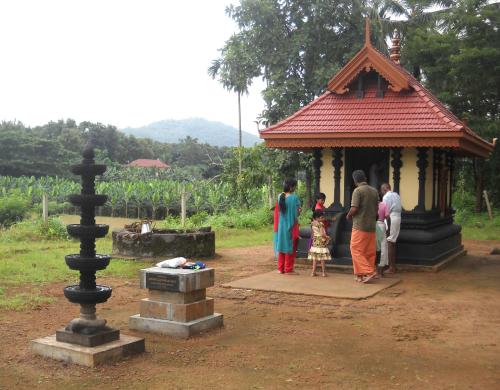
x=408, y=186
x=326, y=183
x=326, y=179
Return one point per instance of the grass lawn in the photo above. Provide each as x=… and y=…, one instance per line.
x=27, y=265
x=480, y=227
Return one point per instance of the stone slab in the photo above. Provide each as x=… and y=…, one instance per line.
x=336, y=285
x=88, y=356
x=177, y=297
x=176, y=329
x=176, y=279
x=88, y=340
x=176, y=312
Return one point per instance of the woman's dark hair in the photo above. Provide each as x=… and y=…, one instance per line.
x=317, y=214
x=318, y=197
x=288, y=186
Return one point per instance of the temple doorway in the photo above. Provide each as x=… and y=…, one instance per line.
x=373, y=161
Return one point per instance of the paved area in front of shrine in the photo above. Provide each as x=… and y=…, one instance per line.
x=335, y=285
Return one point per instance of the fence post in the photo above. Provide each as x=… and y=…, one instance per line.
x=45, y=210
x=488, y=206
x=183, y=206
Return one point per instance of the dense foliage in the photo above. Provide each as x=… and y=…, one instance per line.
x=296, y=46
x=52, y=148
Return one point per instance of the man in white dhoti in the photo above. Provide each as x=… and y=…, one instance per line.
x=393, y=204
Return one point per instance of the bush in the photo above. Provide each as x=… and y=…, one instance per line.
x=240, y=219
x=34, y=230
x=13, y=208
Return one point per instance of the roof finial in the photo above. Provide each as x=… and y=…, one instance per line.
x=367, y=32
x=395, y=50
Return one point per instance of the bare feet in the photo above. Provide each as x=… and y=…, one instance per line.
x=281, y=272
x=314, y=274
x=324, y=274
x=291, y=273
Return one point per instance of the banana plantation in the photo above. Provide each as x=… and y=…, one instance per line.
x=134, y=198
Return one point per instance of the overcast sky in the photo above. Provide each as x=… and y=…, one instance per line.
x=119, y=62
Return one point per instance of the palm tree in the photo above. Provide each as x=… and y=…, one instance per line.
x=235, y=70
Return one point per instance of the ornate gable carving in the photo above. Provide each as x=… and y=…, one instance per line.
x=368, y=58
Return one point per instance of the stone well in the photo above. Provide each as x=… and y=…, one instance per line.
x=190, y=243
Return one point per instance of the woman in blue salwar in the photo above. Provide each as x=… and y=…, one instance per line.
x=286, y=227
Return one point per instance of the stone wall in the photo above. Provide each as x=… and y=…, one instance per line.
x=166, y=244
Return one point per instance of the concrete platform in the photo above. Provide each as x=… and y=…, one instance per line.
x=176, y=329
x=88, y=356
x=335, y=285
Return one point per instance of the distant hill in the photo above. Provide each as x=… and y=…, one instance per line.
x=210, y=132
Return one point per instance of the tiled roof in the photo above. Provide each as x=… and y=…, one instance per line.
x=146, y=163
x=406, y=115
x=395, y=112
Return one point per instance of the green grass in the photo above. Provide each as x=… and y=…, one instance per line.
x=27, y=264
x=236, y=238
x=23, y=300
x=479, y=226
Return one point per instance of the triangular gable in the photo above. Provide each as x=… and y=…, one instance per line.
x=368, y=58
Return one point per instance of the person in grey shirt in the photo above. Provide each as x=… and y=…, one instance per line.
x=393, y=203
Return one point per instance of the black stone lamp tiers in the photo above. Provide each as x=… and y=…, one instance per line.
x=87, y=293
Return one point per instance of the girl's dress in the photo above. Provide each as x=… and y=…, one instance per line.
x=319, y=250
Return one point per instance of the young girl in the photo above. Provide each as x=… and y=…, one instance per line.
x=320, y=205
x=319, y=250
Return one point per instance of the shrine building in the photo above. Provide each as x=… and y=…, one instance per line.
x=377, y=117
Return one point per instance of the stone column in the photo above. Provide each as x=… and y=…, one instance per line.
x=450, y=161
x=396, y=164
x=337, y=165
x=436, y=183
x=422, y=165
x=317, y=169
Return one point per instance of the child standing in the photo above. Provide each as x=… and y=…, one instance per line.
x=319, y=250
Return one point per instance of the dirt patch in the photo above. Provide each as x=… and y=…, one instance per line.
x=432, y=331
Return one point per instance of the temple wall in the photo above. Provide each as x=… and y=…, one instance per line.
x=409, y=179
x=408, y=186
x=326, y=184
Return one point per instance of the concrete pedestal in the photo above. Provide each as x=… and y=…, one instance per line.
x=177, y=305
x=88, y=356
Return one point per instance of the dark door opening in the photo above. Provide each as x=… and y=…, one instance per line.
x=373, y=161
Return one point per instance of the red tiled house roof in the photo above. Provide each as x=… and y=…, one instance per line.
x=146, y=163
x=407, y=115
